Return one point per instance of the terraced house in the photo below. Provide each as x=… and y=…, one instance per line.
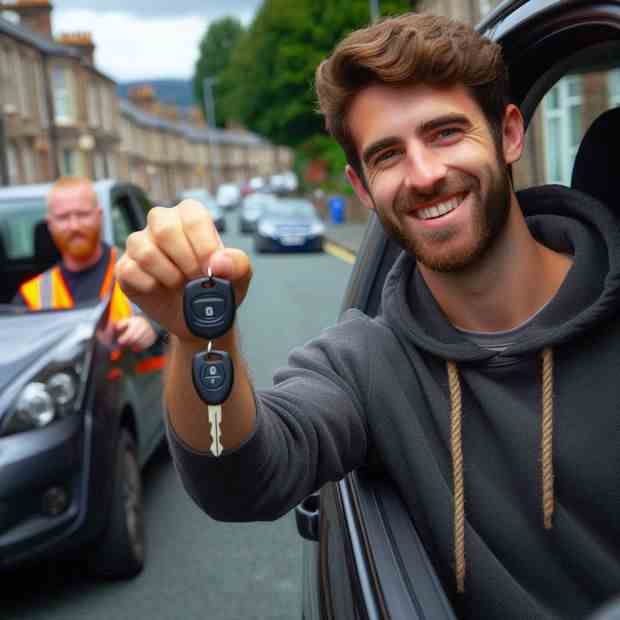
x=60, y=115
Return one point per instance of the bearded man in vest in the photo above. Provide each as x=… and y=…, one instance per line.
x=86, y=269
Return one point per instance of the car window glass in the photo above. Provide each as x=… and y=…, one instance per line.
x=585, y=87
x=17, y=222
x=142, y=200
x=122, y=222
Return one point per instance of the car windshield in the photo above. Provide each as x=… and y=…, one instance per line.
x=17, y=223
x=290, y=209
x=258, y=201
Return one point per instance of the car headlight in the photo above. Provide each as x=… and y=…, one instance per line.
x=318, y=228
x=267, y=229
x=54, y=390
x=43, y=401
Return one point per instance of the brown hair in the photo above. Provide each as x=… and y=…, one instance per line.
x=410, y=49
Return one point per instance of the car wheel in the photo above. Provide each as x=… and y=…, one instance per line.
x=119, y=554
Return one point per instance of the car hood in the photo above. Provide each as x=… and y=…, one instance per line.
x=28, y=337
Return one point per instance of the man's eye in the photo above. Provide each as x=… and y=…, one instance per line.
x=385, y=155
x=447, y=133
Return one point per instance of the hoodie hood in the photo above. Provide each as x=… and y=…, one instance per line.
x=560, y=218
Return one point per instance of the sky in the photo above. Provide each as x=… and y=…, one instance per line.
x=146, y=39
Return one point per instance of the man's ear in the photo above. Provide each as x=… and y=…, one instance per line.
x=359, y=188
x=513, y=130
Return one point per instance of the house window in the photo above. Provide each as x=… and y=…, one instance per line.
x=94, y=117
x=22, y=96
x=99, y=165
x=40, y=95
x=12, y=163
x=30, y=173
x=562, y=114
x=613, y=85
x=63, y=100
x=69, y=162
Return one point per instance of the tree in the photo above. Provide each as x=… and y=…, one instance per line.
x=216, y=48
x=268, y=84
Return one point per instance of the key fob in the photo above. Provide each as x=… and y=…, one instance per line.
x=209, y=307
x=213, y=376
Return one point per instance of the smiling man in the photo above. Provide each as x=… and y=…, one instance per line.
x=86, y=269
x=487, y=385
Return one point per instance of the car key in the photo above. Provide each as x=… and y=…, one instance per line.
x=209, y=310
x=209, y=306
x=213, y=378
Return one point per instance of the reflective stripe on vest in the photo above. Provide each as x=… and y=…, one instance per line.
x=49, y=290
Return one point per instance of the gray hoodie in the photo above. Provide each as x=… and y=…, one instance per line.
x=509, y=462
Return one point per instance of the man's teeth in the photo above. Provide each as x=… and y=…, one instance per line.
x=441, y=209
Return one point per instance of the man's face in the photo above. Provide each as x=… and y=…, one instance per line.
x=74, y=221
x=433, y=171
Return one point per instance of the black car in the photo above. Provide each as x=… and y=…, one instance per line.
x=79, y=417
x=289, y=225
x=362, y=555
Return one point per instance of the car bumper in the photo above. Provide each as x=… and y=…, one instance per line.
x=34, y=468
x=276, y=244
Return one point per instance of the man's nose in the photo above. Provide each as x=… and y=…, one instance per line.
x=74, y=221
x=425, y=168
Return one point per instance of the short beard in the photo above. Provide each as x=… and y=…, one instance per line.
x=490, y=220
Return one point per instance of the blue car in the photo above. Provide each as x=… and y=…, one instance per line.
x=289, y=225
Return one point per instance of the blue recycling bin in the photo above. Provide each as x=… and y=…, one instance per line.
x=336, y=207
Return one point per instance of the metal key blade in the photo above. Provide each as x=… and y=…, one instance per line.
x=215, y=418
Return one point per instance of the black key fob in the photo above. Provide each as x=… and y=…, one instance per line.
x=213, y=376
x=209, y=307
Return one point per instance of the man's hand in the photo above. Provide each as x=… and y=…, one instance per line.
x=135, y=332
x=177, y=245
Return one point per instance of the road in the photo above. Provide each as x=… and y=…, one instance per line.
x=196, y=567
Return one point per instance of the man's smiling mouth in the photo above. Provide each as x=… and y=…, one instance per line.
x=439, y=209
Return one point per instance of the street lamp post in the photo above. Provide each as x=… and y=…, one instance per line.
x=209, y=103
x=374, y=10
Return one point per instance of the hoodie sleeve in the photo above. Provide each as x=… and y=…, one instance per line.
x=310, y=429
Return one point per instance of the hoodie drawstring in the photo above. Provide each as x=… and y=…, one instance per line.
x=456, y=444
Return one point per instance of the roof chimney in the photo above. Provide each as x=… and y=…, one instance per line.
x=33, y=14
x=144, y=97
x=82, y=42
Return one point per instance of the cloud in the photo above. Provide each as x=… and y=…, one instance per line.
x=149, y=9
x=130, y=48
x=146, y=38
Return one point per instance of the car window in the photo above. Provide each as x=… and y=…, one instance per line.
x=301, y=209
x=142, y=200
x=122, y=221
x=17, y=223
x=576, y=92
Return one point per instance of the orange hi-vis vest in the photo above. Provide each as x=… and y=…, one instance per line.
x=49, y=290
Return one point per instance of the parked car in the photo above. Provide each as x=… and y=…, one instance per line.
x=228, y=196
x=251, y=208
x=362, y=555
x=79, y=417
x=205, y=198
x=289, y=225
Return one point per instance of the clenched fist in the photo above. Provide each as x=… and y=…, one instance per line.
x=177, y=245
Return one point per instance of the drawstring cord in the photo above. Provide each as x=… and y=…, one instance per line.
x=547, y=438
x=457, y=475
x=456, y=443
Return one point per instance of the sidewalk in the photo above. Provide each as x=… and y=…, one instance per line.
x=347, y=235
